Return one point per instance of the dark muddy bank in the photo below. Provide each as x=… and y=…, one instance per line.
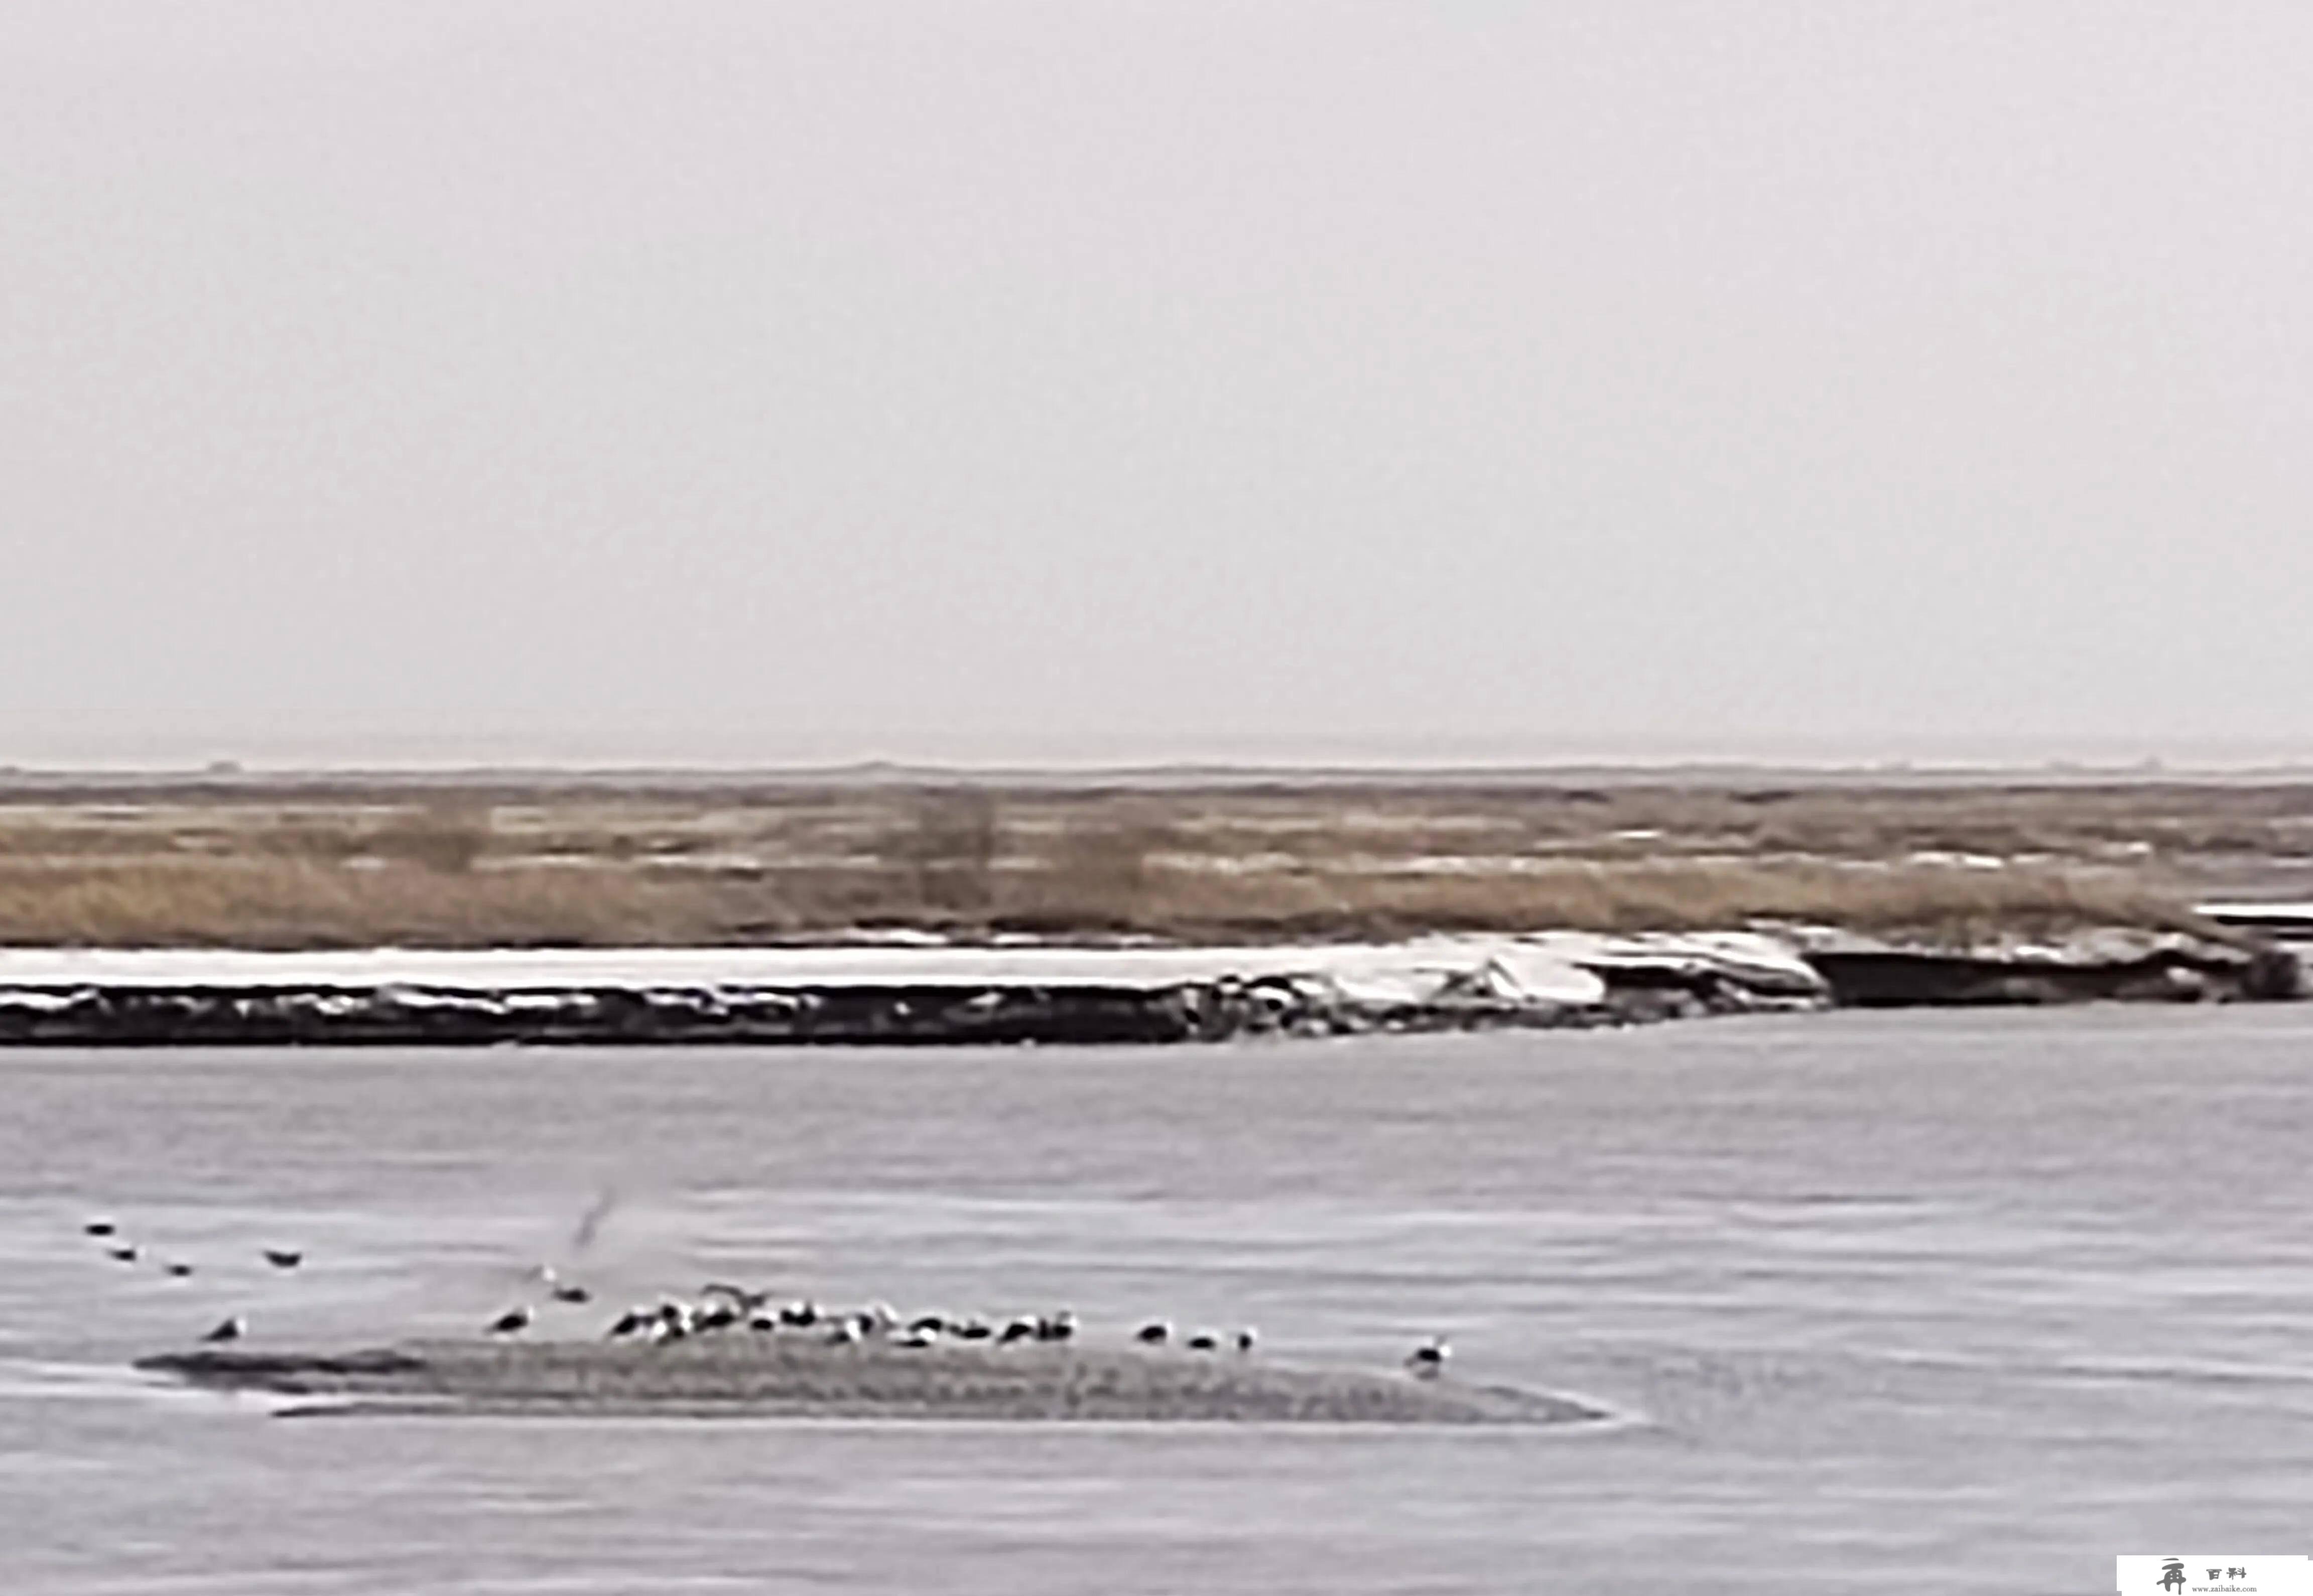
x=935, y=998
x=909, y=1015
x=2173, y=970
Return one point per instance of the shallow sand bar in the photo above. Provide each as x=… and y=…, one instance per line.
x=757, y=1375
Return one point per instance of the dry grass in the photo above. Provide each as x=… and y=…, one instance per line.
x=281, y=904
x=480, y=864
x=266, y=903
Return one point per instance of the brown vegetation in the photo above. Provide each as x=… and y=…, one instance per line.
x=323, y=864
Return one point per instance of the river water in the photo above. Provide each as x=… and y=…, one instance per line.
x=1882, y=1302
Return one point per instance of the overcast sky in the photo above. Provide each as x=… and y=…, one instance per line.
x=974, y=380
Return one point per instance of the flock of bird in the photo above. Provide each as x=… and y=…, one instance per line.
x=722, y=1308
x=120, y=1250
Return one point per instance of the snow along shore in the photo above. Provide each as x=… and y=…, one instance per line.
x=930, y=991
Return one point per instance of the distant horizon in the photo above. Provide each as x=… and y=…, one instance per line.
x=1314, y=759
x=772, y=747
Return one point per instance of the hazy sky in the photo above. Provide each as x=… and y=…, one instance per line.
x=981, y=380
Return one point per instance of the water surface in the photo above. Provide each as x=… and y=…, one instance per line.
x=1883, y=1302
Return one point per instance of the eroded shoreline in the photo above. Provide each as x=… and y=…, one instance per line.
x=926, y=993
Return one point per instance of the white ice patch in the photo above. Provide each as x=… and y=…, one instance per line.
x=1415, y=971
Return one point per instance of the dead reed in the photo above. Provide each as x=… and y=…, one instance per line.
x=495, y=866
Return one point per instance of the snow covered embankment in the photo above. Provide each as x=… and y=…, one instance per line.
x=889, y=995
x=945, y=995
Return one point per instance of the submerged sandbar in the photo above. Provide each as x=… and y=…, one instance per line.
x=774, y=1376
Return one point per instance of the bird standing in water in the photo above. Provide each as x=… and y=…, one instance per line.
x=1428, y=1361
x=512, y=1322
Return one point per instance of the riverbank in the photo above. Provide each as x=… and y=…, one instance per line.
x=880, y=905
x=923, y=993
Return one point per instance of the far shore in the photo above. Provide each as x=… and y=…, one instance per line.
x=932, y=908
x=324, y=861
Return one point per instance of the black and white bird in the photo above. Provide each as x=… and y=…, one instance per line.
x=846, y=1333
x=800, y=1316
x=125, y=1255
x=917, y=1336
x=632, y=1322
x=99, y=1227
x=1428, y=1361
x=1245, y=1337
x=930, y=1324
x=177, y=1270
x=232, y=1329
x=1019, y=1329
x=1059, y=1327
x=1204, y=1341
x=1155, y=1334
x=973, y=1328
x=513, y=1321
x=283, y=1257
